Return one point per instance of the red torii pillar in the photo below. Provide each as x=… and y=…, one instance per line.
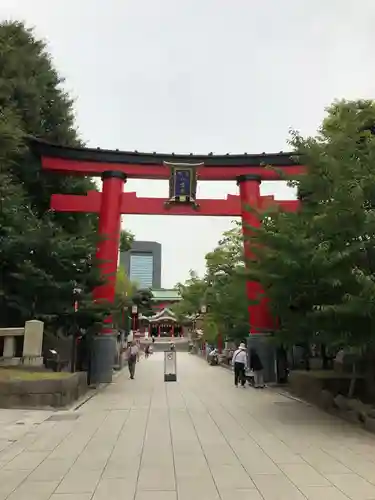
x=109, y=233
x=107, y=255
x=261, y=322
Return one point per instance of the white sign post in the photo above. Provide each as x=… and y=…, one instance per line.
x=170, y=366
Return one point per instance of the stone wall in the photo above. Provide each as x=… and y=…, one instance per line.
x=329, y=393
x=53, y=392
x=32, y=334
x=309, y=385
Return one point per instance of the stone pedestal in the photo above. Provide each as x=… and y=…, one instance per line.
x=102, y=356
x=119, y=355
x=9, y=351
x=267, y=354
x=9, y=347
x=33, y=343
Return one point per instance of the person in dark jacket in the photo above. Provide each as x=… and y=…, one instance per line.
x=257, y=367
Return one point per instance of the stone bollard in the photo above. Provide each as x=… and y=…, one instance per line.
x=33, y=343
x=9, y=351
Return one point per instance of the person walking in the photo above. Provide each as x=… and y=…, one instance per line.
x=132, y=358
x=239, y=362
x=257, y=367
x=147, y=351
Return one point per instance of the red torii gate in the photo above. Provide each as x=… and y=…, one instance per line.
x=115, y=167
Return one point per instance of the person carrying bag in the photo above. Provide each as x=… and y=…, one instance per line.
x=239, y=363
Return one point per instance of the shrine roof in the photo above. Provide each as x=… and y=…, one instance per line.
x=47, y=149
x=164, y=314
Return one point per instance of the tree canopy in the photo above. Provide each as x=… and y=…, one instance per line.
x=317, y=265
x=44, y=255
x=221, y=290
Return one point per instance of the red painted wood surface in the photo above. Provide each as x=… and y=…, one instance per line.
x=108, y=245
x=260, y=319
x=131, y=204
x=136, y=171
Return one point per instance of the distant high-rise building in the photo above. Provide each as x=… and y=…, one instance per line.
x=142, y=263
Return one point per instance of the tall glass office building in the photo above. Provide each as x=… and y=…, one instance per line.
x=142, y=269
x=143, y=264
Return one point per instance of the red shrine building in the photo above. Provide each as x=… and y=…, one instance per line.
x=163, y=323
x=183, y=172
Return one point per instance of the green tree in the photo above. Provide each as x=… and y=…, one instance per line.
x=44, y=255
x=192, y=294
x=121, y=309
x=317, y=266
x=226, y=293
x=17, y=225
x=126, y=240
x=142, y=298
x=221, y=290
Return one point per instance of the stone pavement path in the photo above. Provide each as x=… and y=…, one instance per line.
x=198, y=439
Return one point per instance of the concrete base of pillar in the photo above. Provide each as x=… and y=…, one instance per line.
x=267, y=353
x=32, y=361
x=103, y=352
x=10, y=361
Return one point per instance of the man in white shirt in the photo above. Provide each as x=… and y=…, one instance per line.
x=239, y=363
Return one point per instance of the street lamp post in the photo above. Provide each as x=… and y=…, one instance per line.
x=203, y=311
x=134, y=317
x=76, y=295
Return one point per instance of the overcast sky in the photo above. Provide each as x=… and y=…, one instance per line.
x=200, y=76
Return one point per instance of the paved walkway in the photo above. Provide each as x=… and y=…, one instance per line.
x=198, y=439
